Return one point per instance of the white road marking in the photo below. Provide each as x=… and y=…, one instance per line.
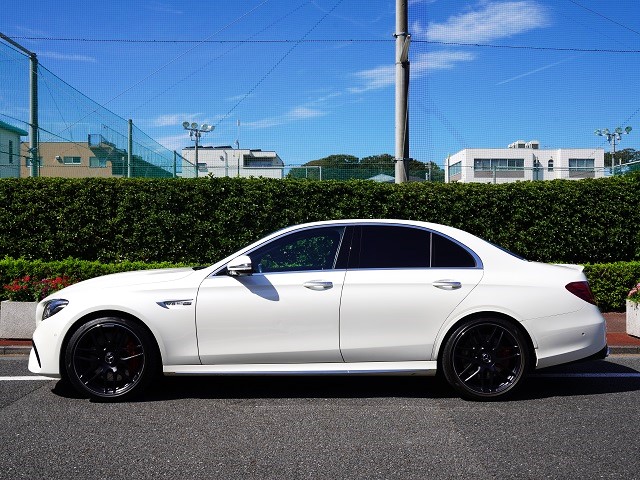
x=30, y=378
x=587, y=375
x=25, y=378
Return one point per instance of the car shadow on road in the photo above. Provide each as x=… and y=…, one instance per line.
x=589, y=378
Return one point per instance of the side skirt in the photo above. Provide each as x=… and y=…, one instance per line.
x=427, y=368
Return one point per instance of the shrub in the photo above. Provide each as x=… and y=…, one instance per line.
x=203, y=220
x=29, y=289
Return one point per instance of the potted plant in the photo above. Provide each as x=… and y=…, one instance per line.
x=633, y=311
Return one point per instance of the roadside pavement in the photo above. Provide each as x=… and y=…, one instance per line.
x=617, y=338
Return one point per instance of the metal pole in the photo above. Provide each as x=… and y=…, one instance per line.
x=33, y=107
x=130, y=148
x=175, y=164
x=33, y=104
x=197, y=135
x=402, y=91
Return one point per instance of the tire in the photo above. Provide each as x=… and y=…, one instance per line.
x=485, y=359
x=110, y=359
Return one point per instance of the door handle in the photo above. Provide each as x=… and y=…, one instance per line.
x=318, y=285
x=447, y=284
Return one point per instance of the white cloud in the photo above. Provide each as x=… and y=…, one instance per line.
x=490, y=21
x=295, y=114
x=531, y=72
x=163, y=8
x=174, y=142
x=384, y=76
x=174, y=119
x=67, y=57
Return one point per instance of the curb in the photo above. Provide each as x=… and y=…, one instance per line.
x=14, y=350
x=624, y=350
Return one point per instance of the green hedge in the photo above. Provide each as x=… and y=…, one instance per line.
x=202, y=220
x=610, y=282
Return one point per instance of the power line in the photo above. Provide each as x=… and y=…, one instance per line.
x=273, y=68
x=331, y=40
x=605, y=17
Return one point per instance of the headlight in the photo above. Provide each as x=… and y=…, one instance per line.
x=53, y=306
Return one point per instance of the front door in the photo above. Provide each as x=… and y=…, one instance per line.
x=287, y=311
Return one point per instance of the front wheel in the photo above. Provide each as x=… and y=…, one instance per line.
x=110, y=358
x=485, y=359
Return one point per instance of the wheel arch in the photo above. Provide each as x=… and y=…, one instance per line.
x=488, y=314
x=105, y=314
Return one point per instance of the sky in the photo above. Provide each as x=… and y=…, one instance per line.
x=311, y=78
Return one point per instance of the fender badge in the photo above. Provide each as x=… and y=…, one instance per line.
x=175, y=303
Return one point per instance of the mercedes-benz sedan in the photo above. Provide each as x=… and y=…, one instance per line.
x=338, y=297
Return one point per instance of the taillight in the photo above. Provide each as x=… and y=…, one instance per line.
x=581, y=290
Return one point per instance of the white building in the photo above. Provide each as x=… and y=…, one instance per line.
x=229, y=162
x=523, y=161
x=10, y=150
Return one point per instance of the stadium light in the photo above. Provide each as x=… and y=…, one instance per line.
x=195, y=132
x=613, y=139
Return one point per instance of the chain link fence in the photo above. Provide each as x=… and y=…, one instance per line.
x=77, y=137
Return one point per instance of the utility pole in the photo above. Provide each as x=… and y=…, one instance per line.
x=403, y=39
x=33, y=104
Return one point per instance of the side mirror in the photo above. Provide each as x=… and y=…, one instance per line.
x=240, y=266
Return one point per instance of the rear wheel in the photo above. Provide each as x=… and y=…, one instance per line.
x=110, y=358
x=485, y=359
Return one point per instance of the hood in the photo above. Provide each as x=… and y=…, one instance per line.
x=128, y=279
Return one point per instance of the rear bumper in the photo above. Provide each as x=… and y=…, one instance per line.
x=602, y=354
x=569, y=337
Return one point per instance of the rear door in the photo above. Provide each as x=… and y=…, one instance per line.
x=401, y=285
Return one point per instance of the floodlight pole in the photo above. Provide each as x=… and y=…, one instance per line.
x=195, y=132
x=613, y=138
x=403, y=40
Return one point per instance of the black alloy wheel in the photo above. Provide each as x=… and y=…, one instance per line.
x=485, y=359
x=110, y=358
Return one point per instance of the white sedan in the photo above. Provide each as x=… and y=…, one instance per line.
x=337, y=297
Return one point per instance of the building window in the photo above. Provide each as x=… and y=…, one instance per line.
x=10, y=151
x=257, y=162
x=498, y=168
x=72, y=160
x=550, y=165
x=581, y=163
x=581, y=168
x=487, y=164
x=455, y=169
x=95, y=162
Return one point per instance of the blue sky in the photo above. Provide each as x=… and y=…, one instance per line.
x=549, y=70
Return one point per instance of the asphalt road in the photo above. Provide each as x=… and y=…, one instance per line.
x=571, y=422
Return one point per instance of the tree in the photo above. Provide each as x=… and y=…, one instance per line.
x=346, y=167
x=626, y=155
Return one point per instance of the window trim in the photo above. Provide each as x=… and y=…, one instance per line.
x=71, y=161
x=346, y=237
x=355, y=253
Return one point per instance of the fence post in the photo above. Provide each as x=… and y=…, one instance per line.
x=175, y=164
x=34, y=129
x=130, y=148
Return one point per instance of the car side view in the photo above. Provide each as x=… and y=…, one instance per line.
x=350, y=297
